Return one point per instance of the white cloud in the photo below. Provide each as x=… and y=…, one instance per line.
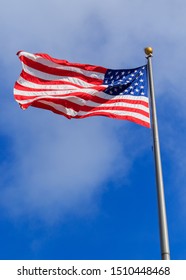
x=49, y=151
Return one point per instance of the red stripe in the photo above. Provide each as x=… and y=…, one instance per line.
x=40, y=81
x=87, y=67
x=30, y=89
x=110, y=115
x=129, y=118
x=71, y=105
x=58, y=72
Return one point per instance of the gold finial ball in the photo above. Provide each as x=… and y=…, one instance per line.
x=148, y=51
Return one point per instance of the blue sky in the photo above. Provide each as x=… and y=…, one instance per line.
x=85, y=189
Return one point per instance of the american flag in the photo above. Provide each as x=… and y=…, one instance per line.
x=77, y=90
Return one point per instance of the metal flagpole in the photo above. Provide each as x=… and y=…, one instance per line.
x=165, y=252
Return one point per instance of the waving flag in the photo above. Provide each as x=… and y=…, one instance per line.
x=77, y=90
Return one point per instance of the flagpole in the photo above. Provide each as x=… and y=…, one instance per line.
x=164, y=239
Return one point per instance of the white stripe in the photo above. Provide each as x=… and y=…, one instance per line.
x=118, y=113
x=51, y=77
x=73, y=99
x=60, y=108
x=73, y=113
x=31, y=85
x=44, y=61
x=104, y=95
x=54, y=93
x=121, y=103
x=21, y=81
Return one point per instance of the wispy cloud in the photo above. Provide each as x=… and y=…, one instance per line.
x=58, y=166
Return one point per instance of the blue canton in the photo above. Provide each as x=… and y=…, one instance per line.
x=126, y=82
